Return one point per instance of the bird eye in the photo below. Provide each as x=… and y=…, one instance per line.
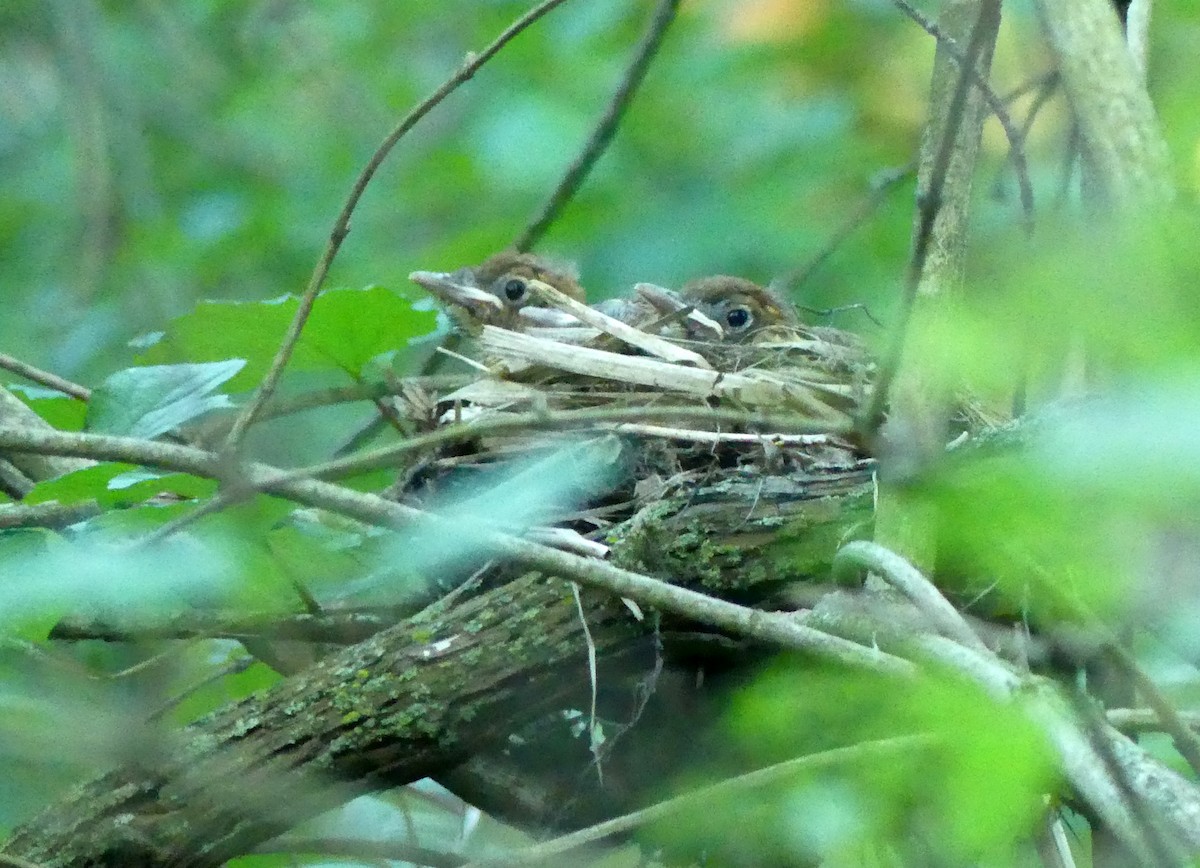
x=514, y=289
x=738, y=318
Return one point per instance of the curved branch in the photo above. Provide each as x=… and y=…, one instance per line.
x=860, y=555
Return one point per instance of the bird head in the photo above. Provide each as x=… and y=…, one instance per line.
x=497, y=291
x=741, y=307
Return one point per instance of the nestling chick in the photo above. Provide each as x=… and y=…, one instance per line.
x=496, y=292
x=743, y=308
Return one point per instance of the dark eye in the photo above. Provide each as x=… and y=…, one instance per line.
x=514, y=289
x=738, y=318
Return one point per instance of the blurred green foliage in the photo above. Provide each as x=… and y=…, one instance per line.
x=158, y=155
x=175, y=169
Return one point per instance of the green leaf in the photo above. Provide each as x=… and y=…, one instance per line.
x=346, y=329
x=119, y=485
x=91, y=483
x=146, y=402
x=22, y=546
x=64, y=413
x=205, y=660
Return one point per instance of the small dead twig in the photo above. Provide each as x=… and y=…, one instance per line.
x=1046, y=87
x=605, y=129
x=593, y=680
x=341, y=225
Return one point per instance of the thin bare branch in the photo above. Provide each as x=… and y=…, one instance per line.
x=929, y=204
x=605, y=128
x=860, y=555
x=44, y=378
x=879, y=193
x=341, y=225
x=557, y=420
x=1016, y=142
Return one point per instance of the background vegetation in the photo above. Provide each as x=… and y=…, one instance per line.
x=159, y=155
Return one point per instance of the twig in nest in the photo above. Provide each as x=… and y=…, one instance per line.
x=341, y=225
x=635, y=337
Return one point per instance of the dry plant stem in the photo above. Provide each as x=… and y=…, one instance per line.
x=1121, y=138
x=860, y=555
x=720, y=436
x=1016, y=141
x=1052, y=844
x=777, y=629
x=44, y=378
x=605, y=129
x=930, y=201
x=341, y=225
x=867, y=753
x=753, y=387
x=635, y=337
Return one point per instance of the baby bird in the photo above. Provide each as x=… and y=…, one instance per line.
x=743, y=309
x=496, y=292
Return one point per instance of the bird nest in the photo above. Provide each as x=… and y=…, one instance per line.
x=778, y=405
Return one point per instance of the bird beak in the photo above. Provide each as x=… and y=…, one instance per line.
x=667, y=303
x=449, y=290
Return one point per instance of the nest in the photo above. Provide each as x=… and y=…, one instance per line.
x=774, y=410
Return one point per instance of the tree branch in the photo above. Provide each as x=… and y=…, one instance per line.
x=1120, y=134
x=605, y=128
x=341, y=225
